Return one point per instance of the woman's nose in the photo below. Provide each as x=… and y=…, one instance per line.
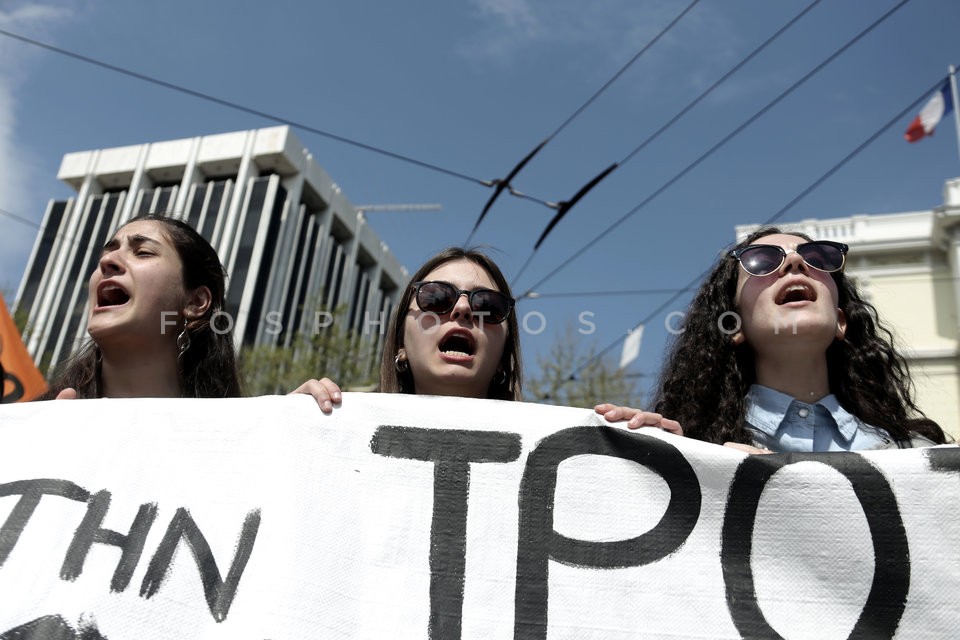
x=110, y=263
x=462, y=307
x=793, y=262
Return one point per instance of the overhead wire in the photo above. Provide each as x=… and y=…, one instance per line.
x=502, y=184
x=750, y=56
x=36, y=225
x=723, y=141
x=776, y=216
x=645, y=292
x=498, y=184
x=619, y=73
x=488, y=183
x=248, y=110
x=21, y=219
x=600, y=294
x=656, y=134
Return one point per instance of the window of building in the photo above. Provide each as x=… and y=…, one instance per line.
x=110, y=207
x=269, y=245
x=195, y=208
x=39, y=264
x=299, y=276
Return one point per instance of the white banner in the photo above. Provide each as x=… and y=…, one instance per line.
x=445, y=518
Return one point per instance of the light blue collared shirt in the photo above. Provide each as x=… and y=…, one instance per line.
x=780, y=423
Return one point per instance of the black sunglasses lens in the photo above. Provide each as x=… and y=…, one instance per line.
x=441, y=297
x=822, y=256
x=436, y=297
x=761, y=260
x=494, y=304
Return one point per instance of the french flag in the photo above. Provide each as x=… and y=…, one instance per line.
x=939, y=105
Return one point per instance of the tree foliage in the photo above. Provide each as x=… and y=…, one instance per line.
x=601, y=380
x=335, y=352
x=20, y=315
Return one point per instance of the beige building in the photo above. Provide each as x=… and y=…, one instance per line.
x=908, y=266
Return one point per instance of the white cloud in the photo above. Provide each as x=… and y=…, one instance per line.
x=701, y=47
x=27, y=13
x=507, y=27
x=516, y=14
x=510, y=29
x=17, y=176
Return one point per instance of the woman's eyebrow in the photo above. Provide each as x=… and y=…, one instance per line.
x=139, y=239
x=134, y=240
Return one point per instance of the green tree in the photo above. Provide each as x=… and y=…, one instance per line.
x=20, y=318
x=601, y=380
x=335, y=352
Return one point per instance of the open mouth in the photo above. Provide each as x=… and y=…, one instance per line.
x=457, y=343
x=111, y=295
x=798, y=292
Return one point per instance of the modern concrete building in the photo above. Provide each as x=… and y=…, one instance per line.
x=291, y=241
x=908, y=266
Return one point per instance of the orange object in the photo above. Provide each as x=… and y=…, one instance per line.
x=22, y=381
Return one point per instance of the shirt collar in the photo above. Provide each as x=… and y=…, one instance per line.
x=766, y=408
x=847, y=423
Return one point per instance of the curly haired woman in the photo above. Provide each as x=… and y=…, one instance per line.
x=780, y=352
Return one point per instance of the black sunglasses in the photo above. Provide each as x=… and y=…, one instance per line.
x=764, y=259
x=440, y=297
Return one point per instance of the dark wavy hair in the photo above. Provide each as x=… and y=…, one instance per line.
x=208, y=368
x=506, y=387
x=705, y=377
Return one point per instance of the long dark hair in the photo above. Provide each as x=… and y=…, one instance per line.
x=208, y=367
x=705, y=378
x=505, y=387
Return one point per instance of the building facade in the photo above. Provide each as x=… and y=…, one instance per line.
x=291, y=242
x=908, y=266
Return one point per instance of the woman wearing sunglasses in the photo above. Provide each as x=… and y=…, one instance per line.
x=454, y=332
x=779, y=352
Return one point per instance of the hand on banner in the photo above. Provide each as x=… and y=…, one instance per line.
x=637, y=418
x=746, y=447
x=67, y=394
x=325, y=391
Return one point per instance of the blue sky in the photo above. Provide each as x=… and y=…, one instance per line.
x=472, y=86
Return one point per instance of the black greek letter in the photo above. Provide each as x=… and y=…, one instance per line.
x=539, y=542
x=30, y=492
x=451, y=451
x=944, y=460
x=219, y=593
x=891, y=577
x=90, y=532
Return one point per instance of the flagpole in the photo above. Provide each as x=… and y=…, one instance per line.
x=956, y=105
